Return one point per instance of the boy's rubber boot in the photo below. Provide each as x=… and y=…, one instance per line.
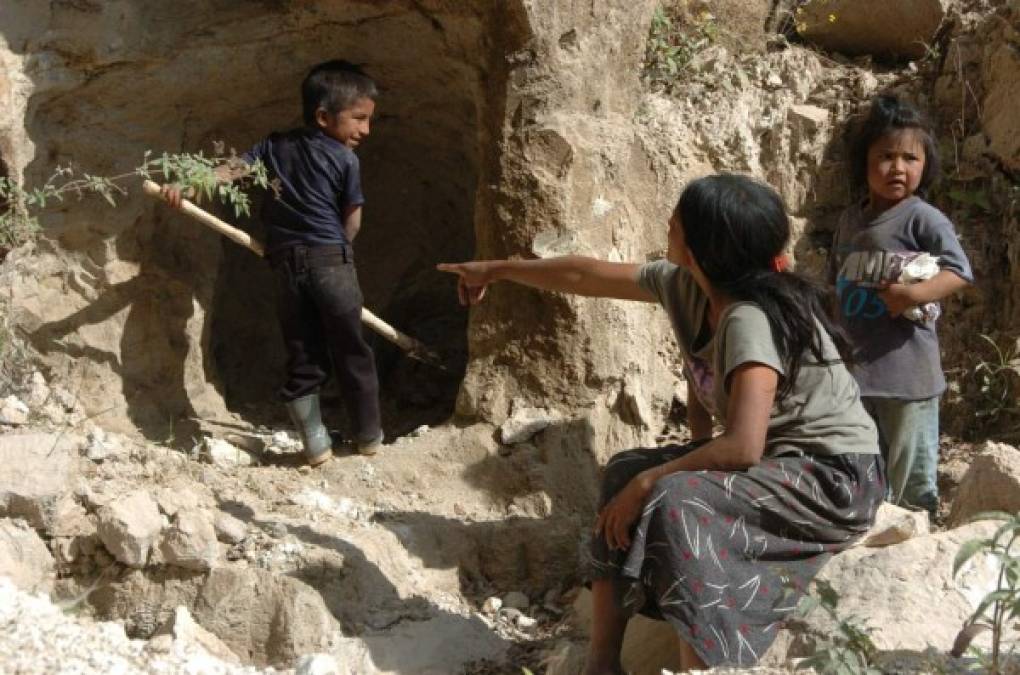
x=306, y=416
x=370, y=447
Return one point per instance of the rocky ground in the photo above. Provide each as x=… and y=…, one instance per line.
x=459, y=548
x=454, y=550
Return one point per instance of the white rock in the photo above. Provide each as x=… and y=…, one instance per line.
x=221, y=453
x=183, y=628
x=550, y=243
x=317, y=664
x=343, y=507
x=190, y=541
x=36, y=471
x=101, y=445
x=894, y=524
x=419, y=431
x=229, y=529
x=516, y=600
x=525, y=622
x=601, y=207
x=129, y=527
x=38, y=390
x=525, y=422
x=65, y=399
x=172, y=499
x=283, y=441
x=492, y=605
x=24, y=557
x=13, y=411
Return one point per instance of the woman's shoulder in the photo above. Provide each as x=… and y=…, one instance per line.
x=746, y=317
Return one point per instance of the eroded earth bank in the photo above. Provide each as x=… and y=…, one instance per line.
x=154, y=513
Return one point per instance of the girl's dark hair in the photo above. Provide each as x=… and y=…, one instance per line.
x=335, y=86
x=888, y=114
x=735, y=227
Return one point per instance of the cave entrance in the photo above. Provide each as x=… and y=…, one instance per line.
x=419, y=172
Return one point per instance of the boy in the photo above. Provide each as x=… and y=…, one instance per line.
x=311, y=224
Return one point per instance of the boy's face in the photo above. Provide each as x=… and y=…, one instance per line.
x=895, y=167
x=350, y=125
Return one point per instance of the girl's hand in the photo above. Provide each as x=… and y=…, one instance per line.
x=898, y=298
x=618, y=516
x=472, y=279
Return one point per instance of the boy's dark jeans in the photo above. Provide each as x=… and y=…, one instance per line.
x=319, y=308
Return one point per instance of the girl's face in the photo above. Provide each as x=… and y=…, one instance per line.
x=895, y=166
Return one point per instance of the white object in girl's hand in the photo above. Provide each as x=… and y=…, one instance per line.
x=921, y=267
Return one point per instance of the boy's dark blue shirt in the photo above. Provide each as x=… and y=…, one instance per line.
x=319, y=180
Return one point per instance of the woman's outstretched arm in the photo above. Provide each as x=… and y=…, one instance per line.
x=567, y=274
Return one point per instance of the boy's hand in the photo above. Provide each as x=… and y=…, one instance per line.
x=898, y=298
x=472, y=279
x=173, y=195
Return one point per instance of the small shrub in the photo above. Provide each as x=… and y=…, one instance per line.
x=673, y=41
x=1001, y=606
x=995, y=385
x=846, y=650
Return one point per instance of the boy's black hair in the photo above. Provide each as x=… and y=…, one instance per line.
x=888, y=114
x=335, y=86
x=735, y=228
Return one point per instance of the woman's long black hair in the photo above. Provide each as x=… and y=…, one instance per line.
x=736, y=227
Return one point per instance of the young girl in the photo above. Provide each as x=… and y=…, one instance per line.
x=720, y=537
x=896, y=361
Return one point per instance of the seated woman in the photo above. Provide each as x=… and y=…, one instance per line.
x=721, y=536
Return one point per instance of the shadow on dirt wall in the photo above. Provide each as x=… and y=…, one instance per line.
x=549, y=488
x=153, y=342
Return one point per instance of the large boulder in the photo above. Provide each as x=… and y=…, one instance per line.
x=906, y=593
x=24, y=557
x=992, y=483
x=901, y=29
x=37, y=472
x=129, y=527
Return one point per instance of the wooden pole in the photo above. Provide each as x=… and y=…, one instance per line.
x=407, y=343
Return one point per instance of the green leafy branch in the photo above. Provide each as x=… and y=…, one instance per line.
x=222, y=176
x=999, y=606
x=847, y=650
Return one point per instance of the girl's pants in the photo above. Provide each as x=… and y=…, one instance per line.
x=908, y=434
x=319, y=308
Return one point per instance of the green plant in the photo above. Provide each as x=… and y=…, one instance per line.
x=996, y=382
x=1000, y=605
x=846, y=650
x=197, y=174
x=673, y=42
